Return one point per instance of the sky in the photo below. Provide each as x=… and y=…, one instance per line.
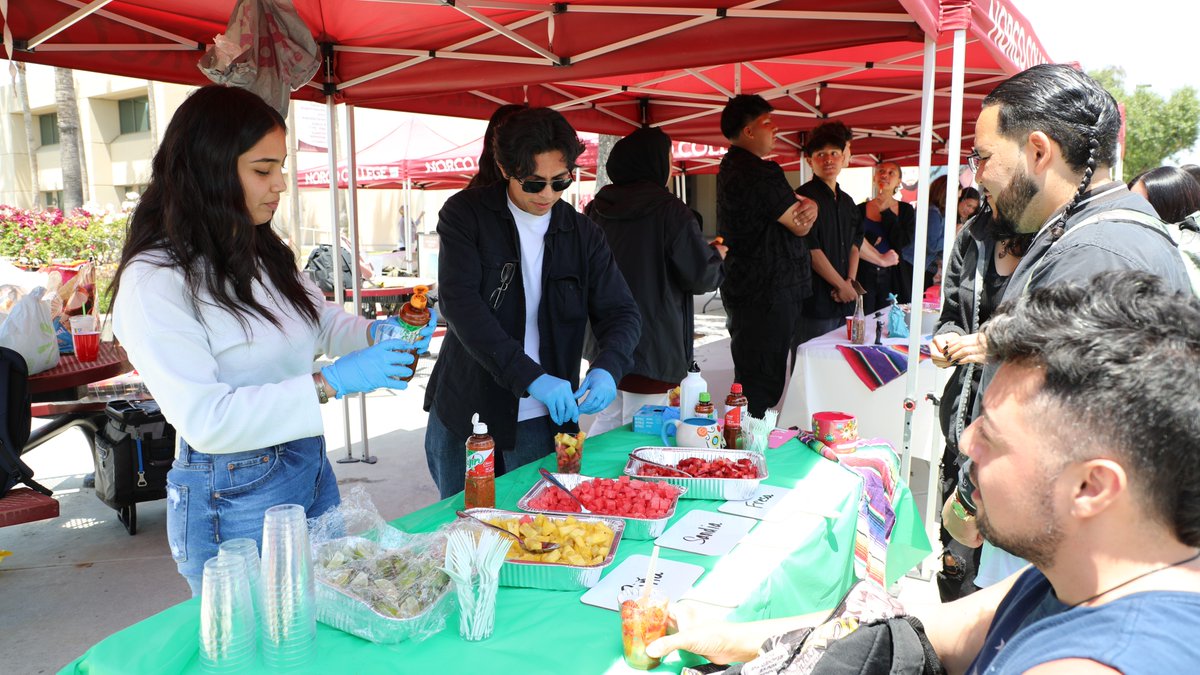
x=1154, y=44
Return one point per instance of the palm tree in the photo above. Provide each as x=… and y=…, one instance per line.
x=30, y=146
x=68, y=138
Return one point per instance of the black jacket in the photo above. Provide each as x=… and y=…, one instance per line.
x=657, y=245
x=482, y=367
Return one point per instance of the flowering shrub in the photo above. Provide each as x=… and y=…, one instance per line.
x=36, y=238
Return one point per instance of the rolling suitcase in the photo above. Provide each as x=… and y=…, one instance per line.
x=134, y=451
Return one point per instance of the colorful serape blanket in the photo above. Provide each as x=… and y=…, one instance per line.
x=876, y=365
x=876, y=462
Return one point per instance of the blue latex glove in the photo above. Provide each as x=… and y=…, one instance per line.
x=600, y=388
x=376, y=367
x=555, y=393
x=426, y=332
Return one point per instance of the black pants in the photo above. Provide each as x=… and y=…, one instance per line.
x=761, y=340
x=959, y=563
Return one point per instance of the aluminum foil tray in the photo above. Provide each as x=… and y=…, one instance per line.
x=554, y=576
x=728, y=489
x=338, y=608
x=635, y=528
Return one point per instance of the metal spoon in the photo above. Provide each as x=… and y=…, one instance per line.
x=554, y=481
x=643, y=460
x=546, y=546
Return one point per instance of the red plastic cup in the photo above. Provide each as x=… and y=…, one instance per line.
x=87, y=345
x=85, y=337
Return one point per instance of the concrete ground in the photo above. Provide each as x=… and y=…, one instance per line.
x=71, y=581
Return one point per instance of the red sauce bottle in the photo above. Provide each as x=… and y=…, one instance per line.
x=735, y=408
x=480, y=492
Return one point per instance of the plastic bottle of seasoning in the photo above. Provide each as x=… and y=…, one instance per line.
x=735, y=409
x=705, y=407
x=858, y=324
x=414, y=315
x=480, y=490
x=689, y=391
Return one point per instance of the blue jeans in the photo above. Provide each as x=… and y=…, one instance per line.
x=212, y=498
x=447, y=455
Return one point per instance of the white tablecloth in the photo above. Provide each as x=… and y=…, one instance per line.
x=822, y=380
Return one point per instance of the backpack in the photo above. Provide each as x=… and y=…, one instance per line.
x=15, y=423
x=320, y=264
x=1185, y=240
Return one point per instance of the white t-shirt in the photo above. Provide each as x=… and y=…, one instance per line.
x=222, y=389
x=532, y=231
x=996, y=565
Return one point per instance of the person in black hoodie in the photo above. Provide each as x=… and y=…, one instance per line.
x=656, y=242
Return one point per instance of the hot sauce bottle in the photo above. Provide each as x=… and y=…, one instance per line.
x=481, y=468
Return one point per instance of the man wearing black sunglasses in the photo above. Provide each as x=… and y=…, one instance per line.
x=521, y=274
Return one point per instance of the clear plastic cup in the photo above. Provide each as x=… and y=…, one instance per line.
x=288, y=617
x=643, y=620
x=228, y=634
x=246, y=550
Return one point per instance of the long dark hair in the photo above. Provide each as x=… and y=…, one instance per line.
x=488, y=172
x=194, y=209
x=1172, y=192
x=1069, y=107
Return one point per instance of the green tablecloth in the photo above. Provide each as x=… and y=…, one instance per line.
x=552, y=631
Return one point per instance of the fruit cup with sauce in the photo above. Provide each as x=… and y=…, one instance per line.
x=643, y=620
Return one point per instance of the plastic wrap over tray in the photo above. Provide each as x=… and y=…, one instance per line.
x=554, y=576
x=635, y=528
x=701, y=488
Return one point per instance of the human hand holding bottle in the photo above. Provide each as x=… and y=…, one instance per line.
x=393, y=326
x=379, y=366
x=556, y=394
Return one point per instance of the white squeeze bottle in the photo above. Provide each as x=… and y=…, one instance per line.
x=689, y=392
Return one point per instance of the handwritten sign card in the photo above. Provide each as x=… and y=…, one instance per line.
x=758, y=505
x=671, y=577
x=706, y=532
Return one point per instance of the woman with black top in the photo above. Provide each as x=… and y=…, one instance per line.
x=888, y=225
x=980, y=267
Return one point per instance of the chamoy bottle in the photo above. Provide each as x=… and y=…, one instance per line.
x=735, y=410
x=705, y=407
x=480, y=490
x=689, y=392
x=414, y=315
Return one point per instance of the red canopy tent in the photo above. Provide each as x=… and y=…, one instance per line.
x=609, y=67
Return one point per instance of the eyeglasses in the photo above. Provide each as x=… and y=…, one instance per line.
x=974, y=160
x=506, y=275
x=536, y=185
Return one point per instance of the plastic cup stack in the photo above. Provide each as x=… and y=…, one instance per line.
x=228, y=635
x=246, y=550
x=288, y=623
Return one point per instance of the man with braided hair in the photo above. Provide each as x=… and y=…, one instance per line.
x=1045, y=143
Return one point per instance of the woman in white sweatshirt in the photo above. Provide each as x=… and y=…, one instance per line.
x=211, y=308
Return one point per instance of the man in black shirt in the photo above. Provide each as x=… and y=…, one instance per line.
x=833, y=241
x=767, y=273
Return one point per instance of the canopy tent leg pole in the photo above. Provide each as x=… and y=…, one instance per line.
x=294, y=185
x=352, y=219
x=409, y=233
x=918, y=281
x=339, y=291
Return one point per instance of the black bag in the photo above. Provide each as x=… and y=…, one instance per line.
x=134, y=452
x=320, y=263
x=15, y=423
